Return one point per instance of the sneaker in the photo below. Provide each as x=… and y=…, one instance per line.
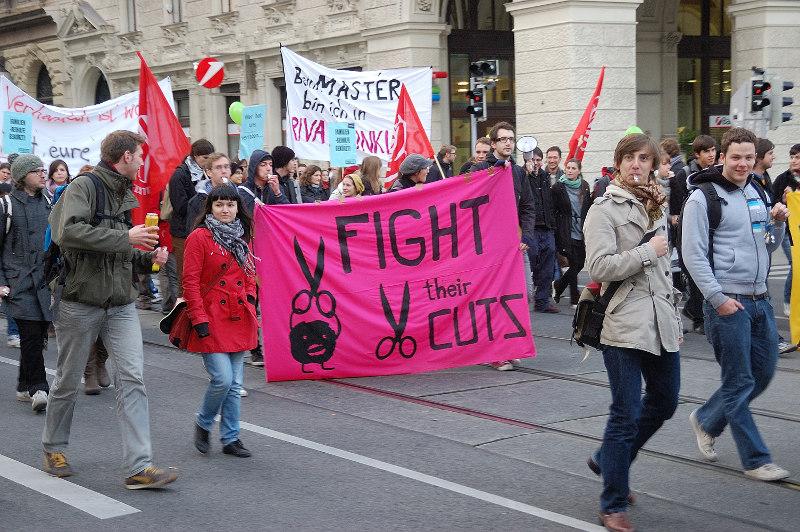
x=24, y=397
x=784, y=347
x=787, y=308
x=516, y=362
x=236, y=448
x=699, y=327
x=242, y=392
x=504, y=365
x=56, y=464
x=767, y=472
x=39, y=401
x=704, y=441
x=150, y=478
x=156, y=298
x=13, y=340
x=256, y=360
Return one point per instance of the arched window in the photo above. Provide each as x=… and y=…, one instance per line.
x=101, y=91
x=44, y=86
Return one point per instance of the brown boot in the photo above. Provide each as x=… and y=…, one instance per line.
x=101, y=355
x=91, y=386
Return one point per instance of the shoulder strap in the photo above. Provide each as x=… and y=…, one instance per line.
x=614, y=286
x=100, y=203
x=242, y=187
x=6, y=205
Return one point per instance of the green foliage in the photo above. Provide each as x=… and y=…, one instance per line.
x=685, y=138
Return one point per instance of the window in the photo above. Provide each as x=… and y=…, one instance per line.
x=102, y=93
x=174, y=11
x=182, y=106
x=44, y=86
x=222, y=6
x=129, y=16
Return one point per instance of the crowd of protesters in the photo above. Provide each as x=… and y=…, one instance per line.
x=644, y=223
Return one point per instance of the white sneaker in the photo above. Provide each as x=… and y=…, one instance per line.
x=704, y=441
x=787, y=307
x=24, y=397
x=39, y=401
x=767, y=473
x=784, y=348
x=516, y=361
x=13, y=340
x=504, y=365
x=242, y=392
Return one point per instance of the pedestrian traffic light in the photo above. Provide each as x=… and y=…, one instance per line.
x=778, y=86
x=759, y=90
x=477, y=102
x=484, y=68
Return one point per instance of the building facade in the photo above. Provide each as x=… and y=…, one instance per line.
x=671, y=65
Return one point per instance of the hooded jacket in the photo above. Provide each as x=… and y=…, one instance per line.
x=249, y=191
x=678, y=187
x=181, y=189
x=741, y=254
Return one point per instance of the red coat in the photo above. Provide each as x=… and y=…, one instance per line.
x=231, y=319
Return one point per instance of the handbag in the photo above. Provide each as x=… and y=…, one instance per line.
x=177, y=324
x=587, y=324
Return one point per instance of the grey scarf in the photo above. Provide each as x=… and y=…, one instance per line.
x=229, y=236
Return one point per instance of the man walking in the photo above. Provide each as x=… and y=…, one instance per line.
x=97, y=299
x=542, y=253
x=727, y=238
x=553, y=164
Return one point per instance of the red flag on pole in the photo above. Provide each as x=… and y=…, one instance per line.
x=166, y=145
x=577, y=144
x=409, y=136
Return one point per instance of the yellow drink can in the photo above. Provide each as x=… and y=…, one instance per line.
x=151, y=220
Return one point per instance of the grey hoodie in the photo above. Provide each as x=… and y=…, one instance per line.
x=741, y=254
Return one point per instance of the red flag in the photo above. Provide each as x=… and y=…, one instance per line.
x=577, y=144
x=409, y=136
x=166, y=145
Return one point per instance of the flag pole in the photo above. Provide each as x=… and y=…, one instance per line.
x=436, y=160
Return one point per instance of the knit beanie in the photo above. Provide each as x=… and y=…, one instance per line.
x=281, y=155
x=359, y=184
x=26, y=162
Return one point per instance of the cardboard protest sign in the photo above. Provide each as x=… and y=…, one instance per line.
x=251, y=136
x=418, y=280
x=316, y=95
x=17, y=133
x=342, y=140
x=74, y=134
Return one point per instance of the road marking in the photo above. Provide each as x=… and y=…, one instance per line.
x=16, y=363
x=83, y=499
x=426, y=479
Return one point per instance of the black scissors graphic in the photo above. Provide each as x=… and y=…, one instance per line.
x=406, y=345
x=301, y=303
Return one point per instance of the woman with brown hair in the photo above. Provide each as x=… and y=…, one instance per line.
x=626, y=241
x=57, y=175
x=311, y=189
x=571, y=201
x=371, y=175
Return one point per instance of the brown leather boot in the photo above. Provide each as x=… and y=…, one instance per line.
x=101, y=355
x=617, y=522
x=91, y=386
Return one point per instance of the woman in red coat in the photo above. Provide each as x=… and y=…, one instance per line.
x=220, y=291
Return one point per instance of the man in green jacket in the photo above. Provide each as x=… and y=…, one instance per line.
x=98, y=299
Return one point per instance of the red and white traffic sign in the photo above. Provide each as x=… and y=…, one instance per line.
x=210, y=72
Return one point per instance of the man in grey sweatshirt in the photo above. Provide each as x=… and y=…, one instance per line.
x=739, y=319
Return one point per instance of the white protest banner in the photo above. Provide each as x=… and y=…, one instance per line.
x=316, y=95
x=74, y=134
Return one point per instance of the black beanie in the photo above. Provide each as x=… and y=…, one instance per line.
x=281, y=155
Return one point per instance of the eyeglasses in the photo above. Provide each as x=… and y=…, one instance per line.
x=505, y=139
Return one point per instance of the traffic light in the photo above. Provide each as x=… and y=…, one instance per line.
x=778, y=86
x=484, y=68
x=759, y=90
x=477, y=102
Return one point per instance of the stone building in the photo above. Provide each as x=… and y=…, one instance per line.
x=670, y=63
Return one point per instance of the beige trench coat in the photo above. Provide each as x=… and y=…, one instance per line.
x=643, y=313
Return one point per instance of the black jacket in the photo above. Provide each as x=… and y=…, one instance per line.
x=435, y=175
x=786, y=179
x=526, y=211
x=401, y=183
x=288, y=193
x=542, y=199
x=312, y=194
x=563, y=211
x=678, y=189
x=181, y=190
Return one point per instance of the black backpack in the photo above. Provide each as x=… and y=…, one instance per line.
x=714, y=210
x=55, y=266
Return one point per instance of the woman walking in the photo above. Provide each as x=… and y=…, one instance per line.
x=220, y=291
x=626, y=241
x=571, y=201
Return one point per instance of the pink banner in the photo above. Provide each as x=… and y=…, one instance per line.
x=423, y=279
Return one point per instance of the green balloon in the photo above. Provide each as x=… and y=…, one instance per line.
x=633, y=129
x=235, y=112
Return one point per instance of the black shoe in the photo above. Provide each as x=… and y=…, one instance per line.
x=699, y=327
x=256, y=359
x=236, y=448
x=594, y=466
x=201, y=439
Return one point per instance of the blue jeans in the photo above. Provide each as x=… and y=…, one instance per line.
x=746, y=347
x=227, y=372
x=787, y=286
x=543, y=258
x=633, y=419
x=11, y=325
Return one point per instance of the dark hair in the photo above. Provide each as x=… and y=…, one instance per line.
x=497, y=127
x=794, y=150
x=226, y=192
x=762, y=147
x=54, y=166
x=538, y=151
x=671, y=146
x=703, y=143
x=555, y=149
x=737, y=135
x=7, y=166
x=445, y=149
x=117, y=143
x=577, y=163
x=201, y=147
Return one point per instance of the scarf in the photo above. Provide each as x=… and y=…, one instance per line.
x=199, y=177
x=571, y=183
x=229, y=236
x=649, y=194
